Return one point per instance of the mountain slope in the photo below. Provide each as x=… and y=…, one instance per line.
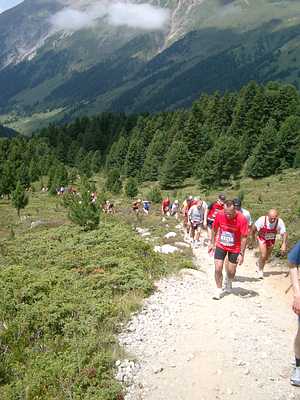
x=207, y=45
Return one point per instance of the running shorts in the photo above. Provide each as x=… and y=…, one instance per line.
x=220, y=254
x=294, y=254
x=196, y=225
x=210, y=223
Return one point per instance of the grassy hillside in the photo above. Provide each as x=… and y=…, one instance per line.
x=63, y=295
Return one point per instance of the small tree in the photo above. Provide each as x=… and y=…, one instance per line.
x=113, y=182
x=82, y=211
x=176, y=166
x=19, y=198
x=265, y=158
x=155, y=195
x=131, y=188
x=297, y=159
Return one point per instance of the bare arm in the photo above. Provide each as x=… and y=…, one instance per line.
x=284, y=243
x=253, y=235
x=205, y=217
x=242, y=251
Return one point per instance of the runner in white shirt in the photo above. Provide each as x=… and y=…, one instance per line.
x=266, y=228
x=197, y=214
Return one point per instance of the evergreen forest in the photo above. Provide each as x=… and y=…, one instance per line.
x=254, y=132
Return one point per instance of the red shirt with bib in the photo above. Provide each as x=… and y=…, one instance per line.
x=230, y=231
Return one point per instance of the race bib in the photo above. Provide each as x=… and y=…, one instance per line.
x=270, y=236
x=227, y=238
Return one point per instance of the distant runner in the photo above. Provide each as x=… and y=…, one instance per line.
x=266, y=228
x=238, y=206
x=294, y=262
x=165, y=206
x=229, y=238
x=146, y=206
x=197, y=214
x=213, y=210
x=175, y=209
x=136, y=206
x=108, y=207
x=185, y=211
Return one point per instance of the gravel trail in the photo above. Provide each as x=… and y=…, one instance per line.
x=184, y=345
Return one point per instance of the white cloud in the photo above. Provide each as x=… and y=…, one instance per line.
x=120, y=13
x=143, y=16
x=71, y=20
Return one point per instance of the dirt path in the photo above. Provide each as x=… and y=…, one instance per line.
x=192, y=347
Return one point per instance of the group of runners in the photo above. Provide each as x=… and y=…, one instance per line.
x=230, y=231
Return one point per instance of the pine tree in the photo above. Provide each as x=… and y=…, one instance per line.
x=265, y=158
x=131, y=188
x=176, y=167
x=85, y=166
x=23, y=175
x=222, y=162
x=155, y=156
x=7, y=178
x=289, y=140
x=33, y=171
x=96, y=161
x=154, y=195
x=82, y=211
x=117, y=154
x=113, y=182
x=297, y=159
x=135, y=156
x=19, y=198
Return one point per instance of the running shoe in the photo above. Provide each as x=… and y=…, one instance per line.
x=260, y=274
x=218, y=294
x=295, y=378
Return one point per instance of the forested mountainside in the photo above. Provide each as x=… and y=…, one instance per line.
x=105, y=64
x=254, y=132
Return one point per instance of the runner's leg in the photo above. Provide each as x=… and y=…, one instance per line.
x=297, y=344
x=263, y=254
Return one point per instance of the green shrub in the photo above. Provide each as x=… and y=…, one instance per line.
x=131, y=188
x=82, y=211
x=113, y=182
x=155, y=195
x=63, y=294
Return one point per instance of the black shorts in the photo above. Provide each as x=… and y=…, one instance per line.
x=221, y=254
x=210, y=223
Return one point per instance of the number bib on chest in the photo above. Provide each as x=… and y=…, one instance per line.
x=270, y=236
x=227, y=238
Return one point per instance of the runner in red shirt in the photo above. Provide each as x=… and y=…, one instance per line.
x=229, y=237
x=213, y=210
x=165, y=206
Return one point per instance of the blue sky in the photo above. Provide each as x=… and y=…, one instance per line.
x=5, y=4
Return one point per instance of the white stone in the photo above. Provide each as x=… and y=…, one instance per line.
x=165, y=249
x=170, y=235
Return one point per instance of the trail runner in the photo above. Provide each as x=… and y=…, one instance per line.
x=165, y=206
x=213, y=210
x=294, y=262
x=185, y=211
x=197, y=214
x=229, y=238
x=266, y=228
